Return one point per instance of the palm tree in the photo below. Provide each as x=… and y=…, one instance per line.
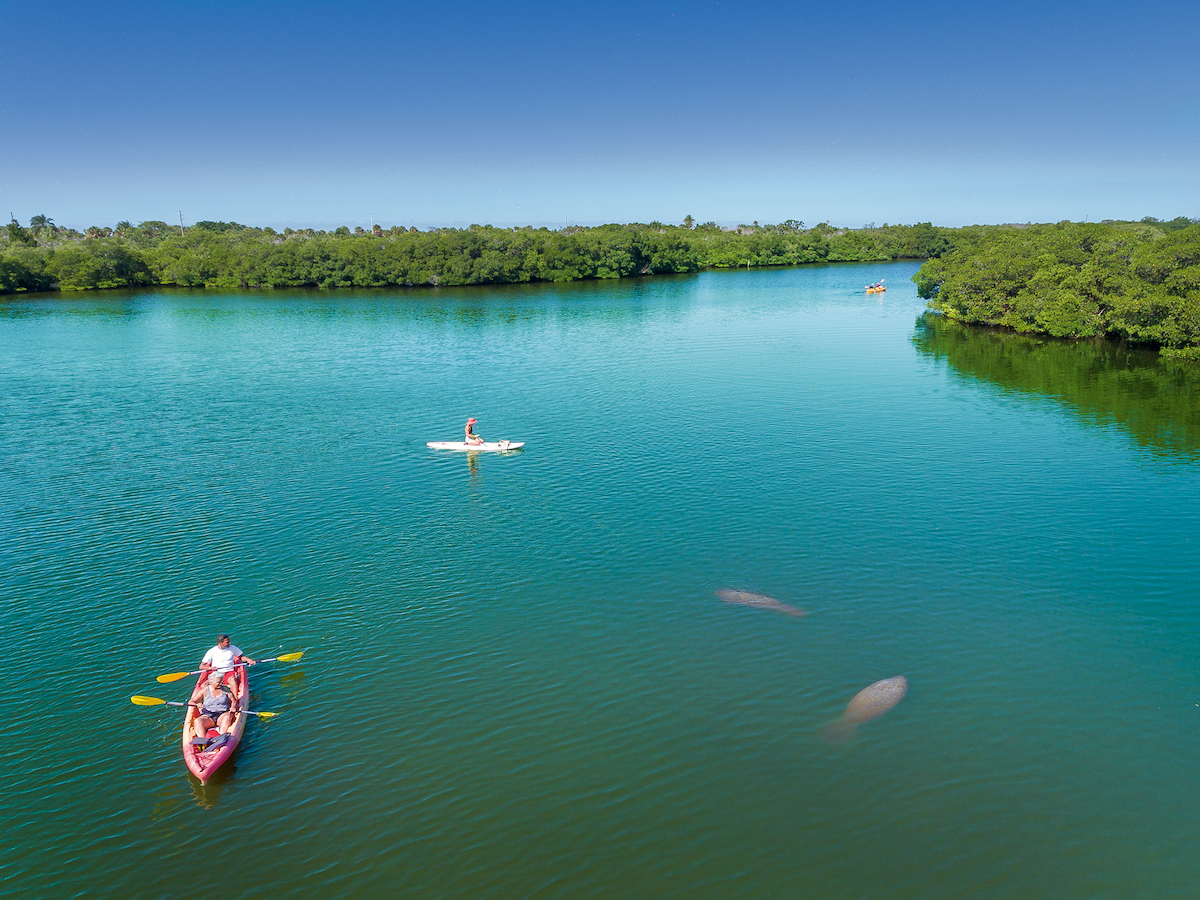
x=688, y=221
x=123, y=228
x=41, y=222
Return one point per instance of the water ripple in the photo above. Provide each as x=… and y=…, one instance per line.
x=517, y=679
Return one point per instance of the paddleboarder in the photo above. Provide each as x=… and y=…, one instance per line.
x=472, y=437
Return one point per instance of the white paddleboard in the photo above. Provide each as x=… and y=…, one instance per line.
x=486, y=447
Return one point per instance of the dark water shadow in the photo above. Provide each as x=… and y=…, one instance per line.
x=1156, y=402
x=610, y=301
x=207, y=795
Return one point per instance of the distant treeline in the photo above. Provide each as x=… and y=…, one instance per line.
x=44, y=256
x=1132, y=281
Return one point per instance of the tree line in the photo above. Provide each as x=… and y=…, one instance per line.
x=1137, y=281
x=45, y=256
x=1132, y=281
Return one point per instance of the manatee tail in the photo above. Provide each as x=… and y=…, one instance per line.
x=838, y=732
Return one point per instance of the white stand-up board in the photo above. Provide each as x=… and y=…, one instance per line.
x=486, y=447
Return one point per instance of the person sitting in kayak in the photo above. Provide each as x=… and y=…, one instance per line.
x=472, y=437
x=224, y=656
x=217, y=706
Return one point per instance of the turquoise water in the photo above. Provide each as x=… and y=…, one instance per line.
x=518, y=681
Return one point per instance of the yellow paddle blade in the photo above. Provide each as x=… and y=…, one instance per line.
x=147, y=701
x=290, y=657
x=266, y=715
x=174, y=676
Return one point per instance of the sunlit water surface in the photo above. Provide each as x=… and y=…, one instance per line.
x=518, y=680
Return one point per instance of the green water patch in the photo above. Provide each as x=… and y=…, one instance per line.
x=1155, y=401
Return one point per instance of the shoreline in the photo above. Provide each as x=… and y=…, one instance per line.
x=58, y=293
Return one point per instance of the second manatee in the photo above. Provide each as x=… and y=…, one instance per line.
x=869, y=703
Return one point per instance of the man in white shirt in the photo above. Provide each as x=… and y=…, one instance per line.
x=223, y=656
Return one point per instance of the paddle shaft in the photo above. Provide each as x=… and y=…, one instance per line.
x=248, y=712
x=175, y=676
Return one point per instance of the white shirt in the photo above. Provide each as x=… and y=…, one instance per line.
x=221, y=658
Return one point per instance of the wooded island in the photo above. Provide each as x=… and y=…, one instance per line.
x=1138, y=282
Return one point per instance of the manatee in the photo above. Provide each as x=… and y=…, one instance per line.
x=869, y=703
x=747, y=598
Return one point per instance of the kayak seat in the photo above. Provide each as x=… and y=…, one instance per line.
x=212, y=735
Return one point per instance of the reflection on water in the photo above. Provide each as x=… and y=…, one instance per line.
x=167, y=803
x=293, y=681
x=207, y=795
x=1155, y=402
x=521, y=305
x=293, y=685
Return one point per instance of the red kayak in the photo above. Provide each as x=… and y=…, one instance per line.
x=204, y=761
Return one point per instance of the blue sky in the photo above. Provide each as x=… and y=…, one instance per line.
x=317, y=114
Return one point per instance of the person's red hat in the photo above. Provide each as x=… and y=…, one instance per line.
x=470, y=421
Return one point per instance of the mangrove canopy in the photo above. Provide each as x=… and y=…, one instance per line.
x=1137, y=282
